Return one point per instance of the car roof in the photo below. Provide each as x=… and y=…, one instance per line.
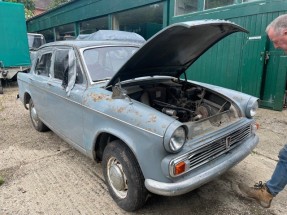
x=84, y=44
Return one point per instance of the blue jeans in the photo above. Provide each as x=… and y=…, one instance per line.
x=279, y=177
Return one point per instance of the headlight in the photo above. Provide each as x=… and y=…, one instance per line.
x=251, y=108
x=177, y=139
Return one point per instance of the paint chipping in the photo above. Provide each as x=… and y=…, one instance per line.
x=152, y=118
x=121, y=109
x=99, y=97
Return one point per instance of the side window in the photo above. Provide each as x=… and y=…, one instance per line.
x=61, y=63
x=64, y=67
x=185, y=6
x=43, y=65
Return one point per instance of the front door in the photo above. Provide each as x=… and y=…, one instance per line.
x=64, y=101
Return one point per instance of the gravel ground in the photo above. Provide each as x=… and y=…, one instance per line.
x=44, y=175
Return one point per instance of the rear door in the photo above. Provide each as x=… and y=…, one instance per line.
x=38, y=82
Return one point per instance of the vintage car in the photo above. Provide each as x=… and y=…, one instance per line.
x=130, y=106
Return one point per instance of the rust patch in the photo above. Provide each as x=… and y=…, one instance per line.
x=152, y=130
x=152, y=118
x=138, y=114
x=99, y=97
x=121, y=109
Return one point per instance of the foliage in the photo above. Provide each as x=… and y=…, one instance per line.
x=56, y=3
x=28, y=4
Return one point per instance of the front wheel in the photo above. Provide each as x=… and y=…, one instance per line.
x=37, y=123
x=123, y=176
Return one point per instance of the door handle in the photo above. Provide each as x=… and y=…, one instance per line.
x=266, y=57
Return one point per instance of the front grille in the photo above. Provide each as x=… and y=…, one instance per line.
x=216, y=148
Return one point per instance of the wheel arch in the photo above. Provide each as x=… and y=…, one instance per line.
x=100, y=144
x=102, y=141
x=26, y=100
x=140, y=142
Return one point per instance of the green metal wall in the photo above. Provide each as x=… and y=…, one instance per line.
x=79, y=10
x=238, y=62
x=14, y=49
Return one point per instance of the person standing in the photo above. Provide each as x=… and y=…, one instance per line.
x=264, y=193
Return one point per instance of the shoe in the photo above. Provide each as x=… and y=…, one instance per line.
x=259, y=192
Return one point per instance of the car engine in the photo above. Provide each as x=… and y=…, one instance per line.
x=184, y=101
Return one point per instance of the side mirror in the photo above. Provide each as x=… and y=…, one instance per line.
x=119, y=93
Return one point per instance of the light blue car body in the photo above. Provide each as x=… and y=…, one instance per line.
x=87, y=116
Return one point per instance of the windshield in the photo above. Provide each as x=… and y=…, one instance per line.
x=104, y=62
x=35, y=41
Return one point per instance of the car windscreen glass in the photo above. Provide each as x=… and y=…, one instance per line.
x=103, y=63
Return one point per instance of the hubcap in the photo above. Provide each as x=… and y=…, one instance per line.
x=34, y=115
x=117, y=178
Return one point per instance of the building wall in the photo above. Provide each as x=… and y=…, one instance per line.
x=80, y=10
x=85, y=16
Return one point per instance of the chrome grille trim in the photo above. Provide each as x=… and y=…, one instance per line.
x=212, y=150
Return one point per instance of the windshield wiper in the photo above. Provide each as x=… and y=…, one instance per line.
x=104, y=79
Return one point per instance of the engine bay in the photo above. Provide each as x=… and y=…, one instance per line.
x=182, y=100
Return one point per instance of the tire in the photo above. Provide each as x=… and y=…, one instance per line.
x=37, y=123
x=123, y=176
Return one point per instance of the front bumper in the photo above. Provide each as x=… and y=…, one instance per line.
x=204, y=174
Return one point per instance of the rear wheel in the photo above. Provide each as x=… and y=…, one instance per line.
x=123, y=176
x=37, y=123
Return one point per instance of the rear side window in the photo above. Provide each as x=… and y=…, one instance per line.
x=43, y=65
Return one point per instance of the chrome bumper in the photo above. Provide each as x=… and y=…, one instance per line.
x=205, y=173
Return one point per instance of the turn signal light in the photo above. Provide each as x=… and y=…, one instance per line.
x=179, y=168
x=254, y=128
